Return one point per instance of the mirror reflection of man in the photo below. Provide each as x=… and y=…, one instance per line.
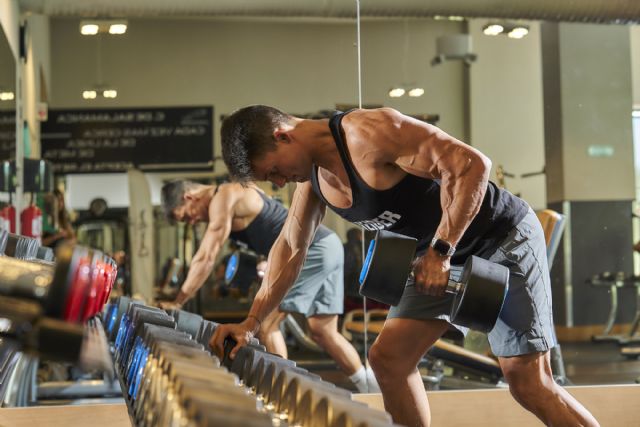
x=248, y=215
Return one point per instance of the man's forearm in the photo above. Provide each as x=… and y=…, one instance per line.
x=461, y=198
x=278, y=279
x=199, y=271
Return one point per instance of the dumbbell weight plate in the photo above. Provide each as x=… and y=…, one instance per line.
x=258, y=364
x=4, y=236
x=45, y=253
x=240, y=271
x=187, y=322
x=21, y=247
x=485, y=286
x=298, y=387
x=387, y=267
x=278, y=393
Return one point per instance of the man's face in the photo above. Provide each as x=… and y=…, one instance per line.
x=287, y=163
x=191, y=211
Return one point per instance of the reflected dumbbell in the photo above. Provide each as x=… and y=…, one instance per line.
x=240, y=271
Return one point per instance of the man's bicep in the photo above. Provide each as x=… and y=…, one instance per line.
x=429, y=152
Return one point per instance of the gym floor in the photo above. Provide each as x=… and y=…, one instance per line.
x=598, y=363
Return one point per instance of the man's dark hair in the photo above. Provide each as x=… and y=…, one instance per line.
x=247, y=134
x=172, y=195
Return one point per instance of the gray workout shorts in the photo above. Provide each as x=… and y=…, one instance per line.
x=320, y=285
x=525, y=324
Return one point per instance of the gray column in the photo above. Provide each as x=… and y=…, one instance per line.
x=589, y=163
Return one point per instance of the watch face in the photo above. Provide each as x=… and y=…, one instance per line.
x=441, y=246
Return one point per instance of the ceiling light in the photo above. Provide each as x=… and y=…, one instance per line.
x=493, y=29
x=118, y=28
x=396, y=92
x=89, y=29
x=98, y=26
x=110, y=93
x=89, y=94
x=518, y=32
x=7, y=96
x=511, y=29
x=416, y=92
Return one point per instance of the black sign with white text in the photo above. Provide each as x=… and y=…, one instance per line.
x=114, y=140
x=7, y=135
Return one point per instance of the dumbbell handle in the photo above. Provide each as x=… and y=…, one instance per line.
x=453, y=287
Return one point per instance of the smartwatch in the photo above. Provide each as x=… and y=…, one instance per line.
x=443, y=247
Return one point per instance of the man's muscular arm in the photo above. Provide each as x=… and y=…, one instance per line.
x=221, y=211
x=285, y=261
x=424, y=150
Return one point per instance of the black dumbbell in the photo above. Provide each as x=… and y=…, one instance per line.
x=478, y=295
x=187, y=322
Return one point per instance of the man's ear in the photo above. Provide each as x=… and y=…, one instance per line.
x=281, y=136
x=188, y=196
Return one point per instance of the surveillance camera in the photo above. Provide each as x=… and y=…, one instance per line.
x=437, y=60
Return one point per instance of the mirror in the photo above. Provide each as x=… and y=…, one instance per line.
x=552, y=109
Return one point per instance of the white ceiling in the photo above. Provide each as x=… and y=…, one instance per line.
x=622, y=11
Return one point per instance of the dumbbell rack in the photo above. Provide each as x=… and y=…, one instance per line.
x=280, y=389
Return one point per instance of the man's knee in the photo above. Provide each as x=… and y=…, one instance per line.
x=319, y=333
x=529, y=385
x=386, y=364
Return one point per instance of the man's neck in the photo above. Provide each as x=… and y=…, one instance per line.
x=318, y=136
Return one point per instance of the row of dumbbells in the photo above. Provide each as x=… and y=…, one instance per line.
x=169, y=377
x=48, y=301
x=301, y=398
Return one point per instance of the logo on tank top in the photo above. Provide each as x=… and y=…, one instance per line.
x=383, y=221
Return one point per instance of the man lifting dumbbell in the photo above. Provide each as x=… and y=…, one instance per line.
x=247, y=215
x=384, y=170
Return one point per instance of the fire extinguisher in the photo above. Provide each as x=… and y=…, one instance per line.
x=31, y=221
x=8, y=218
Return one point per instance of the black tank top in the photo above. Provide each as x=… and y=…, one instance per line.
x=412, y=207
x=263, y=231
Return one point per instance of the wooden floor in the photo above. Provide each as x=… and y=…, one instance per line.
x=613, y=406
x=112, y=415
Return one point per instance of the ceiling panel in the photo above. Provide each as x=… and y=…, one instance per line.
x=616, y=11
